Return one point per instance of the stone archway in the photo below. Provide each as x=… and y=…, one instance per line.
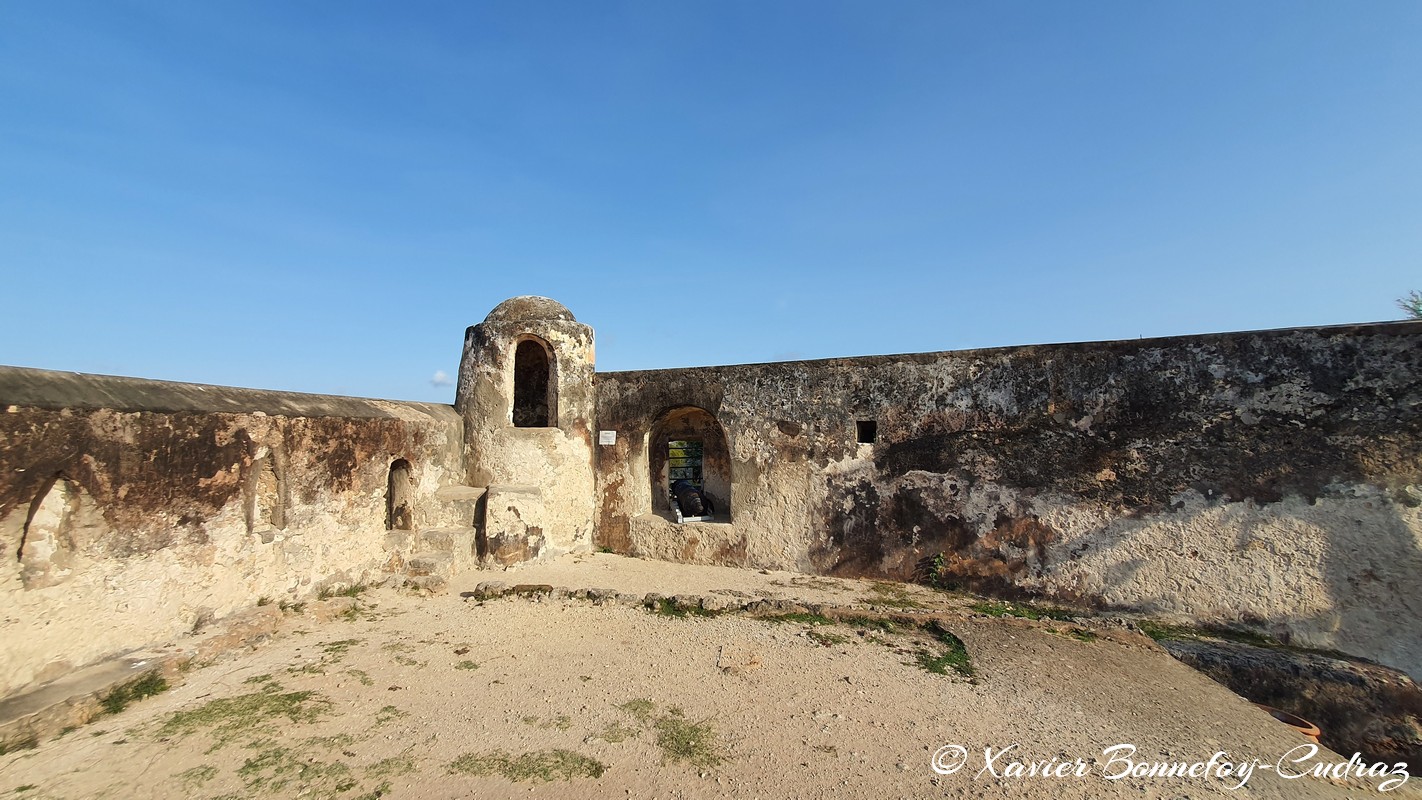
x=688, y=442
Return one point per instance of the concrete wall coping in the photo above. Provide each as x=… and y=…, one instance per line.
x=42, y=388
x=1393, y=328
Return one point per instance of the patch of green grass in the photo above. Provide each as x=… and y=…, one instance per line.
x=867, y=622
x=339, y=648
x=327, y=592
x=339, y=741
x=146, y=685
x=1081, y=635
x=14, y=746
x=537, y=767
x=375, y=794
x=562, y=722
x=894, y=595
x=228, y=718
x=827, y=639
x=617, y=733
x=388, y=713
x=28, y=787
x=197, y=776
x=274, y=768
x=998, y=608
x=683, y=740
x=798, y=616
x=641, y=708
x=264, y=601
x=466, y=664
x=666, y=608
x=295, y=608
x=361, y=675
x=954, y=656
x=394, y=766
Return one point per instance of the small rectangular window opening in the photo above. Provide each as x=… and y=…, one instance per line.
x=868, y=430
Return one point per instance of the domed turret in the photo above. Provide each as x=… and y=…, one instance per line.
x=526, y=395
x=530, y=308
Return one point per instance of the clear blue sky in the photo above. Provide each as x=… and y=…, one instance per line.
x=322, y=196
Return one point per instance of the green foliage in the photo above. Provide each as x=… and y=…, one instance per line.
x=388, y=713
x=935, y=571
x=954, y=655
x=868, y=623
x=893, y=595
x=995, y=608
x=14, y=746
x=641, y=708
x=684, y=740
x=798, y=616
x=327, y=592
x=617, y=733
x=1411, y=304
x=391, y=767
x=666, y=608
x=827, y=639
x=273, y=768
x=146, y=685
x=537, y=767
x=228, y=718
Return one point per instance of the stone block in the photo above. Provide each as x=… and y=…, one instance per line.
x=514, y=524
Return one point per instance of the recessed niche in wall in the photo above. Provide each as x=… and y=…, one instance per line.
x=400, y=498
x=54, y=532
x=535, y=403
x=268, y=496
x=867, y=431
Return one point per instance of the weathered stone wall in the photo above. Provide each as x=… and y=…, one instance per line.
x=1271, y=478
x=132, y=511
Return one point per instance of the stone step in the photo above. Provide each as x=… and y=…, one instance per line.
x=458, y=542
x=422, y=564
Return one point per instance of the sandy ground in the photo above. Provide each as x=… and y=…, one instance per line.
x=450, y=697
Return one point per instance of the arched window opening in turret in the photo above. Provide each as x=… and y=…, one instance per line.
x=535, y=403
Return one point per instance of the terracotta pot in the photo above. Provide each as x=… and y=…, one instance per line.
x=1308, y=729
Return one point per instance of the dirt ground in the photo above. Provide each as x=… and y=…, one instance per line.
x=453, y=697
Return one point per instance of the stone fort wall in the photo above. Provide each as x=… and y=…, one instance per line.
x=1270, y=479
x=133, y=511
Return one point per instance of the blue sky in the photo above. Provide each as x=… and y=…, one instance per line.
x=321, y=196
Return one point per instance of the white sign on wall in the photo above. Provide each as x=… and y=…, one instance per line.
x=607, y=437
